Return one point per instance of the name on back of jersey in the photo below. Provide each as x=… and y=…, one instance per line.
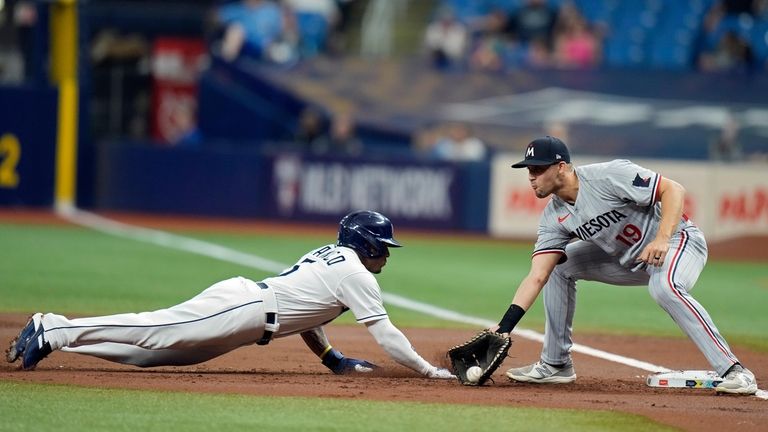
x=330, y=255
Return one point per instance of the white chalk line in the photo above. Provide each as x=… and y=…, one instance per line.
x=212, y=250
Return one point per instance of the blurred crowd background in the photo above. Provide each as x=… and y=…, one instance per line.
x=144, y=65
x=703, y=35
x=307, y=109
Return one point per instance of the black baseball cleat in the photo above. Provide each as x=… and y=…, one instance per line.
x=19, y=343
x=37, y=348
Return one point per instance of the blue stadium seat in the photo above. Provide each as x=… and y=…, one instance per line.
x=597, y=13
x=670, y=56
x=509, y=6
x=622, y=53
x=663, y=34
x=759, y=42
x=467, y=10
x=313, y=33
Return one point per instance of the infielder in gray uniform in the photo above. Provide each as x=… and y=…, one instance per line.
x=621, y=224
x=322, y=285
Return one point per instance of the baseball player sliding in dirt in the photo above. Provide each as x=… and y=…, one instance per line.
x=629, y=229
x=232, y=313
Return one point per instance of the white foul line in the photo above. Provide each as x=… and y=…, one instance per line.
x=172, y=241
x=200, y=247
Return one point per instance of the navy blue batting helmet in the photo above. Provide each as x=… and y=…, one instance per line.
x=367, y=232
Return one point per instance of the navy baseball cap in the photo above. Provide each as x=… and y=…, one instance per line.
x=547, y=150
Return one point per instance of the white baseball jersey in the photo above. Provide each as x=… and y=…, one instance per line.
x=616, y=214
x=322, y=285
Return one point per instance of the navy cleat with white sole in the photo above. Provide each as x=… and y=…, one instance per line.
x=19, y=343
x=37, y=349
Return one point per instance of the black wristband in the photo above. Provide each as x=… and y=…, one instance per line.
x=511, y=318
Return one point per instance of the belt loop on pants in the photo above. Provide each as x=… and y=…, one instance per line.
x=270, y=308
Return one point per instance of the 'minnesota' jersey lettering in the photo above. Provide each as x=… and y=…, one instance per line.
x=595, y=225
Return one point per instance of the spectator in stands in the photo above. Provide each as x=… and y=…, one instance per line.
x=576, y=46
x=185, y=132
x=459, y=145
x=538, y=55
x=735, y=7
x=340, y=139
x=761, y=10
x=314, y=21
x=726, y=147
x=486, y=19
x=311, y=126
x=17, y=39
x=496, y=50
x=446, y=40
x=424, y=140
x=535, y=19
x=733, y=54
x=338, y=38
x=487, y=55
x=256, y=28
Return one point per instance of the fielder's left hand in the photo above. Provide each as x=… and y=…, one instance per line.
x=655, y=252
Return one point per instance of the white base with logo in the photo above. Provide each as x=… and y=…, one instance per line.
x=685, y=379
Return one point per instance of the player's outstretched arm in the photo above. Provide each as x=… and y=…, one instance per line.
x=394, y=342
x=528, y=290
x=332, y=358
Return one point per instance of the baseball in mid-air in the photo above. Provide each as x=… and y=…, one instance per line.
x=473, y=373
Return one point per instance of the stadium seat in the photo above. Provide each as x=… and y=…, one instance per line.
x=759, y=42
x=313, y=33
x=670, y=56
x=468, y=10
x=623, y=53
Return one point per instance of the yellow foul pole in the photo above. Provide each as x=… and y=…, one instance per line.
x=64, y=47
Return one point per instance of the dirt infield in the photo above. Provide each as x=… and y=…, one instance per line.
x=287, y=368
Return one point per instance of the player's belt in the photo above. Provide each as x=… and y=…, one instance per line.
x=270, y=308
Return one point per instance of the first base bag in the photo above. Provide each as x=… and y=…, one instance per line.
x=685, y=379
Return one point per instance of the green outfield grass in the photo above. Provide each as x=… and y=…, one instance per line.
x=128, y=410
x=77, y=271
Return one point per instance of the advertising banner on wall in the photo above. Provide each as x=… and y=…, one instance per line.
x=741, y=201
x=176, y=66
x=725, y=201
x=413, y=194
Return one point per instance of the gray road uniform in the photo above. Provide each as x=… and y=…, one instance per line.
x=615, y=216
